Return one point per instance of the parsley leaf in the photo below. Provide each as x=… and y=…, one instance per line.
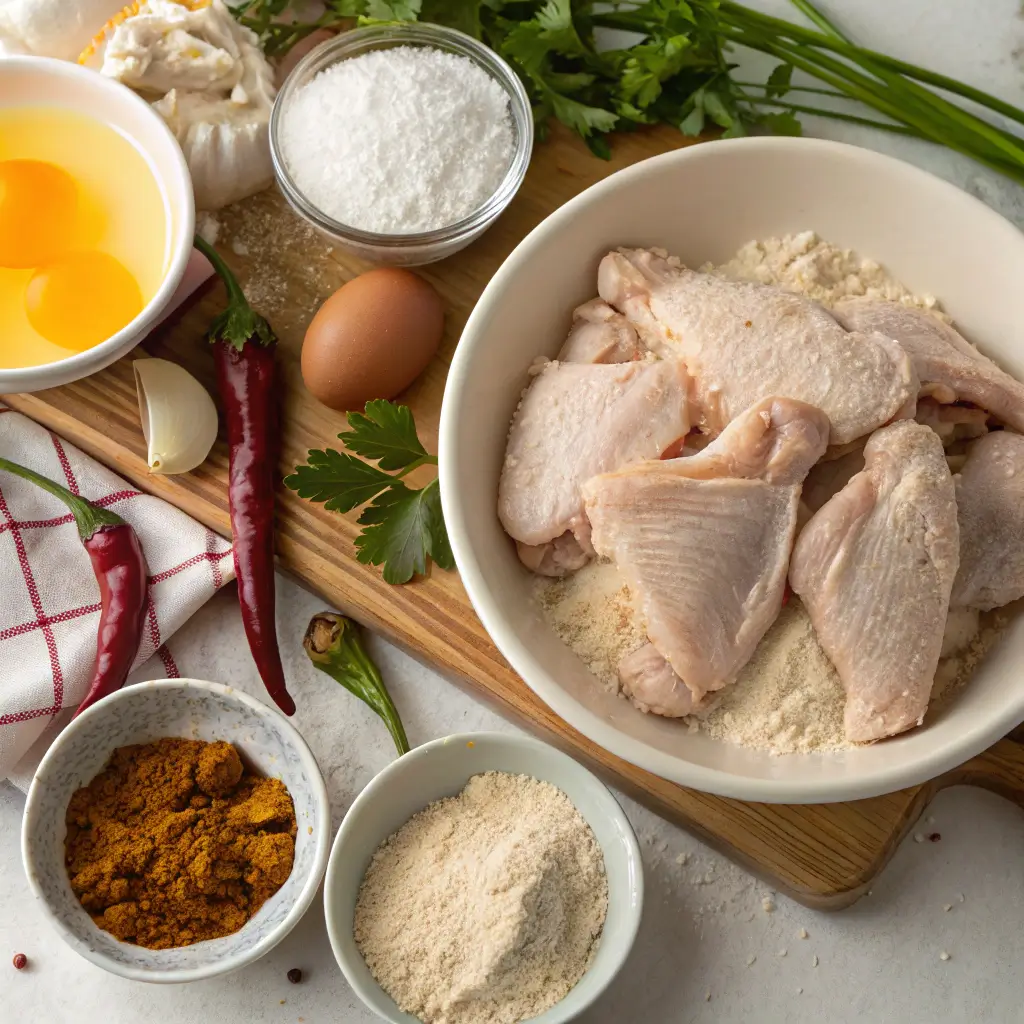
x=392, y=10
x=783, y=123
x=463, y=15
x=715, y=107
x=693, y=123
x=341, y=481
x=579, y=116
x=778, y=81
x=560, y=68
x=402, y=527
x=386, y=434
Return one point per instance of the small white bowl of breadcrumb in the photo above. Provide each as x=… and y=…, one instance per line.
x=483, y=877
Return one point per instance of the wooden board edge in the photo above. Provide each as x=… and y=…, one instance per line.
x=1000, y=770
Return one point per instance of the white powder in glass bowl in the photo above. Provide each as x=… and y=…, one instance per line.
x=400, y=140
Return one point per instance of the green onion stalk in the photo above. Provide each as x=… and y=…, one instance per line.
x=333, y=645
x=681, y=72
x=900, y=91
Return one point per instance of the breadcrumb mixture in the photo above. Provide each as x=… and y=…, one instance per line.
x=825, y=272
x=592, y=612
x=788, y=699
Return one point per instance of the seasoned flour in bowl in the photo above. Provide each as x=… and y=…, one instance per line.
x=788, y=698
x=827, y=273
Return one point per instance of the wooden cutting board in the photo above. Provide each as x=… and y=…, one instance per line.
x=824, y=856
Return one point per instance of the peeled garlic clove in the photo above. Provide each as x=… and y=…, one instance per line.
x=179, y=419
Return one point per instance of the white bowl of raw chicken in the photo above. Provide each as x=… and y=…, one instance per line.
x=701, y=204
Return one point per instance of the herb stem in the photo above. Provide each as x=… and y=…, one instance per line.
x=835, y=93
x=874, y=94
x=838, y=115
x=423, y=460
x=743, y=17
x=951, y=85
x=821, y=20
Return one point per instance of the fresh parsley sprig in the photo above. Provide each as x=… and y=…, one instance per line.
x=681, y=71
x=403, y=527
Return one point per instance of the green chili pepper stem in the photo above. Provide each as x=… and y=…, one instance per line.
x=239, y=324
x=88, y=518
x=235, y=293
x=332, y=644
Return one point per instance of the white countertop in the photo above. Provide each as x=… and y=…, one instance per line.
x=703, y=920
x=707, y=950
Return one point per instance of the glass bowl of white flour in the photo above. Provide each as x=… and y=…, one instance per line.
x=401, y=143
x=483, y=878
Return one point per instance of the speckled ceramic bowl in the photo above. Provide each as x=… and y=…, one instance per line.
x=192, y=709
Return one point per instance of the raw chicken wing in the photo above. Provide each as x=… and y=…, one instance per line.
x=742, y=342
x=874, y=569
x=704, y=544
x=990, y=503
x=600, y=335
x=948, y=365
x=828, y=478
x=558, y=557
x=952, y=422
x=575, y=421
x=653, y=686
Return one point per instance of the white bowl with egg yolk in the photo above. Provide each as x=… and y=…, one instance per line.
x=43, y=82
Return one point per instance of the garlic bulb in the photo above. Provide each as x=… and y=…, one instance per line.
x=179, y=419
x=207, y=77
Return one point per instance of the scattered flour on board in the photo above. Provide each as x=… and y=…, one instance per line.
x=265, y=234
x=207, y=227
x=788, y=699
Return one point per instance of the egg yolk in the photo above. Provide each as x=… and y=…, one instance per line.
x=81, y=299
x=38, y=205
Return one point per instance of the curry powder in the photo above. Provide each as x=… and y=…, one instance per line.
x=175, y=842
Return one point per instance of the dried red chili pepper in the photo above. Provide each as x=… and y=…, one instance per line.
x=120, y=570
x=243, y=348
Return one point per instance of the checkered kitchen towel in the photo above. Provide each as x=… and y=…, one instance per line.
x=49, y=599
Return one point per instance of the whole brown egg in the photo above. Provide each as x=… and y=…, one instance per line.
x=372, y=338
